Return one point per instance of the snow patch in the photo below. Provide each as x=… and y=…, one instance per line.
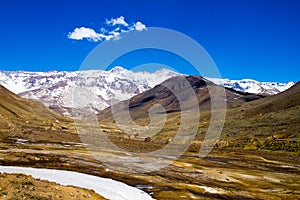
x=108, y=188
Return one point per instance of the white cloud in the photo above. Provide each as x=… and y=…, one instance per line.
x=85, y=33
x=115, y=34
x=90, y=34
x=110, y=32
x=139, y=26
x=120, y=20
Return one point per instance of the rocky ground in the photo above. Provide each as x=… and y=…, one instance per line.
x=228, y=173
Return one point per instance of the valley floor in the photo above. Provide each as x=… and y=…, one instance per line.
x=223, y=174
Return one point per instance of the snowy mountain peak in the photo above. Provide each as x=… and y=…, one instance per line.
x=55, y=89
x=118, y=70
x=166, y=71
x=253, y=86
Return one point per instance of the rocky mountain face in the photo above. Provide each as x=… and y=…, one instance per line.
x=55, y=89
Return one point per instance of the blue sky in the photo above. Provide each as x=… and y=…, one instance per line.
x=255, y=39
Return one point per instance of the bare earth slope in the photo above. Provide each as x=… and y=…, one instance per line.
x=163, y=94
x=252, y=121
x=271, y=123
x=17, y=112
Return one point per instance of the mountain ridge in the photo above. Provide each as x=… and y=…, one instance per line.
x=252, y=121
x=253, y=86
x=54, y=88
x=163, y=94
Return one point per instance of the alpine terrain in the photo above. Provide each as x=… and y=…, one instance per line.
x=55, y=89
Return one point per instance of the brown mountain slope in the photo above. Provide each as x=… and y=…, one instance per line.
x=281, y=101
x=252, y=122
x=163, y=94
x=17, y=112
x=271, y=123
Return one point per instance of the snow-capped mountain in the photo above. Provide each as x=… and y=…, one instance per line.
x=253, y=86
x=55, y=89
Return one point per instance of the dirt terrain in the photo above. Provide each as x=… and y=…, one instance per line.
x=223, y=174
x=22, y=187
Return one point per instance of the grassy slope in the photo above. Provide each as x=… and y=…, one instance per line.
x=270, y=123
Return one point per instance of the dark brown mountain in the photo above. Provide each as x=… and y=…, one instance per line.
x=164, y=94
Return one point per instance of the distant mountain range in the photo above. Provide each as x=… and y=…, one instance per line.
x=252, y=120
x=253, y=86
x=54, y=89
